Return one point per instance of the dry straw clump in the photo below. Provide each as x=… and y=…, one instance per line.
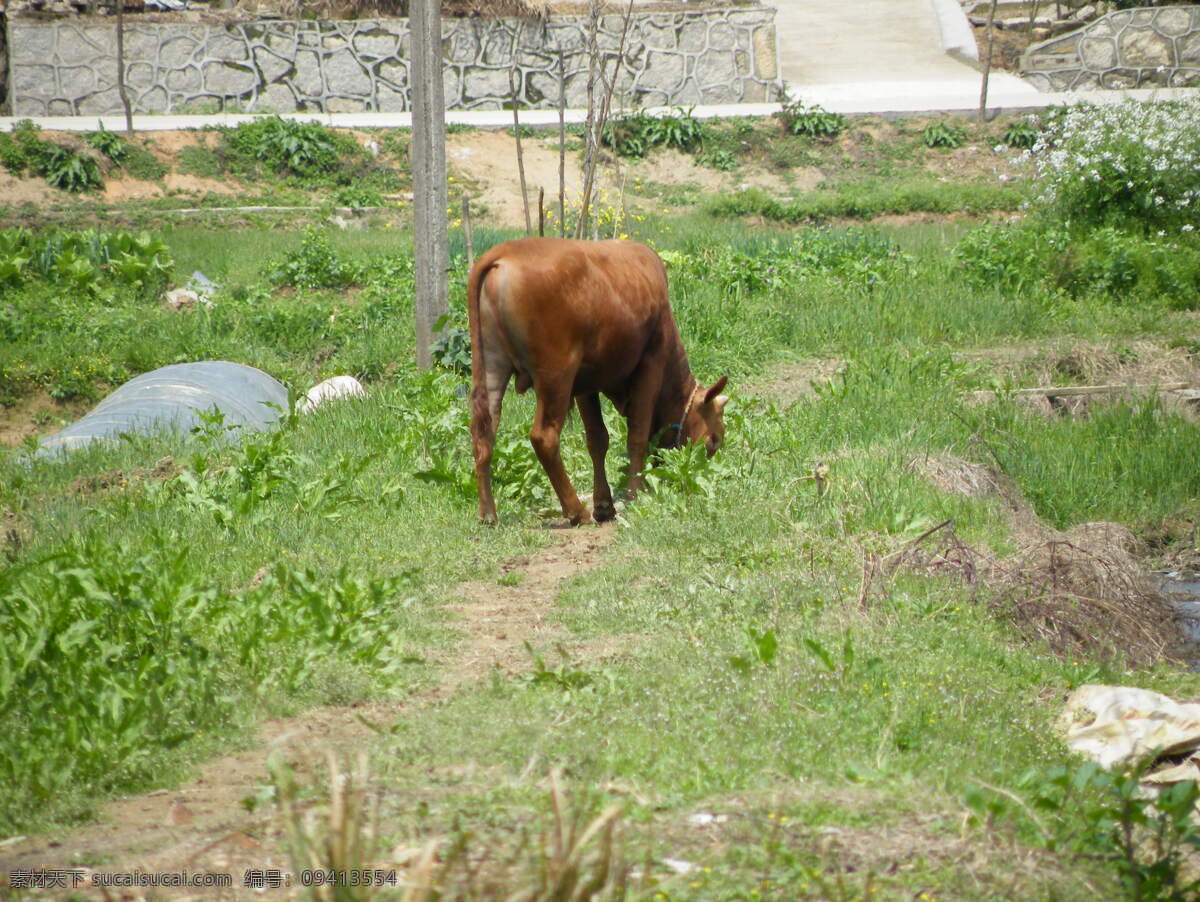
x=577, y=857
x=1081, y=591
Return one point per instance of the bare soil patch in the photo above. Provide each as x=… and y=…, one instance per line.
x=37, y=415
x=212, y=823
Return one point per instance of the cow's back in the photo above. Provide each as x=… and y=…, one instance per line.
x=592, y=307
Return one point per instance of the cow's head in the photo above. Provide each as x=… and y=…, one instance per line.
x=705, y=421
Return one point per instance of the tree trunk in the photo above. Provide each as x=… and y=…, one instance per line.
x=987, y=61
x=121, y=92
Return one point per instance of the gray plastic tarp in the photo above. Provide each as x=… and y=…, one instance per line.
x=172, y=397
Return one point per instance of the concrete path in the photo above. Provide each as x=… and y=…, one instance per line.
x=887, y=56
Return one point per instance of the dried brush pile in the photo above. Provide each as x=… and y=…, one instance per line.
x=1082, y=592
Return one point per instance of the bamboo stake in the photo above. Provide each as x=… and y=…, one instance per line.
x=512, y=87
x=562, y=147
x=468, y=238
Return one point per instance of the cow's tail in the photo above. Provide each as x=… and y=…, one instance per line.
x=481, y=409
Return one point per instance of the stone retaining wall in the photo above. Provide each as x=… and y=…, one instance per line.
x=1132, y=48
x=672, y=58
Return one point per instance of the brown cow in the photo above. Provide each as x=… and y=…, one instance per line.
x=574, y=319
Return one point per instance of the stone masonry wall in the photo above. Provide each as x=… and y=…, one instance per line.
x=684, y=58
x=1131, y=48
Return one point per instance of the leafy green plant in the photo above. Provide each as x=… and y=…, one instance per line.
x=69, y=171
x=763, y=649
x=1023, y=133
x=86, y=259
x=358, y=196
x=287, y=146
x=109, y=144
x=944, y=135
x=812, y=121
x=452, y=348
x=637, y=134
x=722, y=160
x=679, y=129
x=629, y=136
x=565, y=676
x=315, y=264
x=1146, y=836
x=22, y=149
x=1008, y=255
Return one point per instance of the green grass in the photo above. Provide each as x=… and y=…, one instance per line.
x=757, y=674
x=864, y=200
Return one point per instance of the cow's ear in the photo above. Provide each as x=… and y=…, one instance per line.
x=715, y=389
x=719, y=402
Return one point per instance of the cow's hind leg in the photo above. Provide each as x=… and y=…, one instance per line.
x=597, y=442
x=553, y=403
x=486, y=401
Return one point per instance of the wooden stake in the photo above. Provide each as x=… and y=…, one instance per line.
x=468, y=238
x=562, y=147
x=512, y=88
x=431, y=254
x=542, y=212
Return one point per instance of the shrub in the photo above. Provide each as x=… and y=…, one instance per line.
x=943, y=134
x=1134, y=165
x=1107, y=261
x=1008, y=255
x=358, y=196
x=813, y=121
x=109, y=144
x=141, y=164
x=315, y=264
x=721, y=160
x=1023, y=133
x=1124, y=265
x=62, y=167
x=636, y=134
x=70, y=171
x=287, y=147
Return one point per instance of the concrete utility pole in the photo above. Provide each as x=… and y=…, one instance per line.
x=431, y=254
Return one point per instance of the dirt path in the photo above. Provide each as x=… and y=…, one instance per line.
x=209, y=824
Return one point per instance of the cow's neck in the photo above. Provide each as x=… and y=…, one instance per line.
x=677, y=387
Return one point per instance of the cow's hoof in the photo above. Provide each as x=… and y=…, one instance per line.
x=489, y=519
x=583, y=518
x=604, y=511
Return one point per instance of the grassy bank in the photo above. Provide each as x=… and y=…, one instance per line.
x=763, y=671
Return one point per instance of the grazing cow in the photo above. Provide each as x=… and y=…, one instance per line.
x=574, y=319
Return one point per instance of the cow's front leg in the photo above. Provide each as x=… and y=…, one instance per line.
x=552, y=406
x=642, y=399
x=597, y=442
